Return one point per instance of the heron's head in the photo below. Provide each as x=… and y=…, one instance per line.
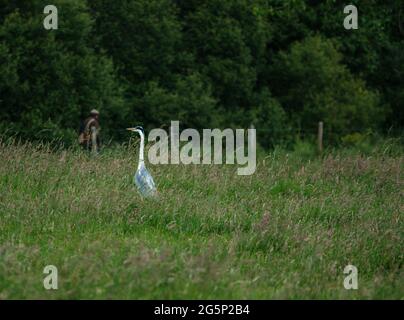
x=137, y=129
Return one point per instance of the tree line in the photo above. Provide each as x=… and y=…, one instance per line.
x=283, y=65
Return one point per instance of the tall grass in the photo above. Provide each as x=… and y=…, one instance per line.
x=287, y=231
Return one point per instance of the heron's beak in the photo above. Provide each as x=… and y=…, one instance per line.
x=131, y=129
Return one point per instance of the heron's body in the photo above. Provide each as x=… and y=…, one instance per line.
x=143, y=179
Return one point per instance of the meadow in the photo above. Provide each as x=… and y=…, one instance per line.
x=286, y=232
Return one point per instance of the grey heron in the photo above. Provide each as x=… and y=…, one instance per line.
x=143, y=179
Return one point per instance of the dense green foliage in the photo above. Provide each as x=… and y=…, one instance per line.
x=280, y=64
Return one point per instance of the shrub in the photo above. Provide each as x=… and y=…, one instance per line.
x=313, y=85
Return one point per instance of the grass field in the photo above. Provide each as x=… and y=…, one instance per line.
x=287, y=231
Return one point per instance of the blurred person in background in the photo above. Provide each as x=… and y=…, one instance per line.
x=89, y=135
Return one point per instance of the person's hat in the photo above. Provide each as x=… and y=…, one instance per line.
x=94, y=111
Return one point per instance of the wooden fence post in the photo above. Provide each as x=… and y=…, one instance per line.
x=320, y=137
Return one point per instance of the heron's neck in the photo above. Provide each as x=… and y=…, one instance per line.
x=141, y=151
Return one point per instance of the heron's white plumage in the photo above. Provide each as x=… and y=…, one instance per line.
x=143, y=179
